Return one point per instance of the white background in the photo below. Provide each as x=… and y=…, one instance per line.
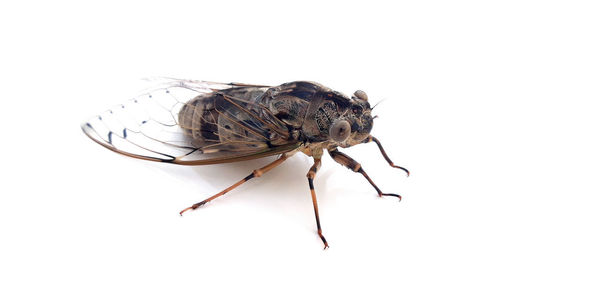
x=492, y=106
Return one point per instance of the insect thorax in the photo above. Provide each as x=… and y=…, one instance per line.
x=307, y=107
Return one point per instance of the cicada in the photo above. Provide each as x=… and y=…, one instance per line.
x=198, y=123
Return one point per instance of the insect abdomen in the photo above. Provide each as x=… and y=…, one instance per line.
x=207, y=119
x=199, y=118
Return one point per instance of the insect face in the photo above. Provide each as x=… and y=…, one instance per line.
x=359, y=118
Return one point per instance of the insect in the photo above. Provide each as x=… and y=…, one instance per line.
x=198, y=123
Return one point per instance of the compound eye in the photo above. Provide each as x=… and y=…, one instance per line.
x=339, y=130
x=360, y=95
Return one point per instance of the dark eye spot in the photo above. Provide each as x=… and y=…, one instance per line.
x=357, y=110
x=339, y=131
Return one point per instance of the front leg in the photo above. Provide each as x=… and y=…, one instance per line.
x=351, y=164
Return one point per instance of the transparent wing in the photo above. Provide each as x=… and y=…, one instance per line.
x=221, y=123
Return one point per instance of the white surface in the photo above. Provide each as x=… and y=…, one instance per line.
x=491, y=106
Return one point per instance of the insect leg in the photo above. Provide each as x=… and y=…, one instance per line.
x=311, y=175
x=351, y=164
x=255, y=173
x=371, y=138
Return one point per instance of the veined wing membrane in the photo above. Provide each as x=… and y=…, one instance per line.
x=220, y=127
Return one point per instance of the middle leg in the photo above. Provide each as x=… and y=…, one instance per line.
x=311, y=175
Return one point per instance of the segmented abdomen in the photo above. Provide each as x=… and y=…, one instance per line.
x=199, y=119
x=211, y=119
